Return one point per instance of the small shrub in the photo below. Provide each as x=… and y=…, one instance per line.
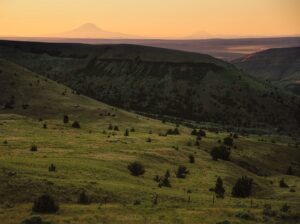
x=136, y=169
x=228, y=141
x=45, y=126
x=191, y=158
x=132, y=130
x=282, y=184
x=181, y=172
x=164, y=181
x=174, y=131
x=136, y=202
x=219, y=189
x=45, y=204
x=242, y=187
x=201, y=133
x=76, y=124
x=235, y=135
x=5, y=142
x=268, y=210
x=149, y=140
x=285, y=208
x=33, y=148
x=52, y=168
x=66, y=119
x=116, y=128
x=221, y=152
x=110, y=127
x=83, y=198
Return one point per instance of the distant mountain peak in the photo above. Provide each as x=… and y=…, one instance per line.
x=89, y=26
x=90, y=30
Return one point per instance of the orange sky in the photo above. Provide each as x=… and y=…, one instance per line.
x=152, y=18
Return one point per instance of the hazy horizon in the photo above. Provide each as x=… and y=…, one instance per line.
x=155, y=19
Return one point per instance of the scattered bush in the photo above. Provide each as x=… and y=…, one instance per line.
x=136, y=169
x=285, y=208
x=242, y=187
x=45, y=126
x=149, y=140
x=191, y=158
x=181, y=172
x=83, y=198
x=66, y=119
x=219, y=189
x=221, y=152
x=33, y=148
x=45, y=204
x=268, y=210
x=110, y=127
x=116, y=128
x=201, y=133
x=76, y=124
x=5, y=142
x=282, y=184
x=164, y=181
x=228, y=141
x=174, y=131
x=132, y=130
x=52, y=168
x=136, y=202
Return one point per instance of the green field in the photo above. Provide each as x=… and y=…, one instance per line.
x=94, y=159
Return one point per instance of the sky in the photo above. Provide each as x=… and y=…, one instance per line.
x=152, y=18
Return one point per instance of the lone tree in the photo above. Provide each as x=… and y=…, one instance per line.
x=45, y=204
x=66, y=119
x=76, y=124
x=181, y=172
x=219, y=189
x=242, y=187
x=136, y=169
x=221, y=152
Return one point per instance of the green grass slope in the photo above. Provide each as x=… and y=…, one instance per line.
x=161, y=81
x=95, y=159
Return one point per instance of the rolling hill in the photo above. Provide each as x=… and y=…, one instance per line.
x=279, y=65
x=94, y=159
x=160, y=82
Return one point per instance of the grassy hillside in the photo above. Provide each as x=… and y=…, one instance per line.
x=279, y=65
x=94, y=159
x=161, y=81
